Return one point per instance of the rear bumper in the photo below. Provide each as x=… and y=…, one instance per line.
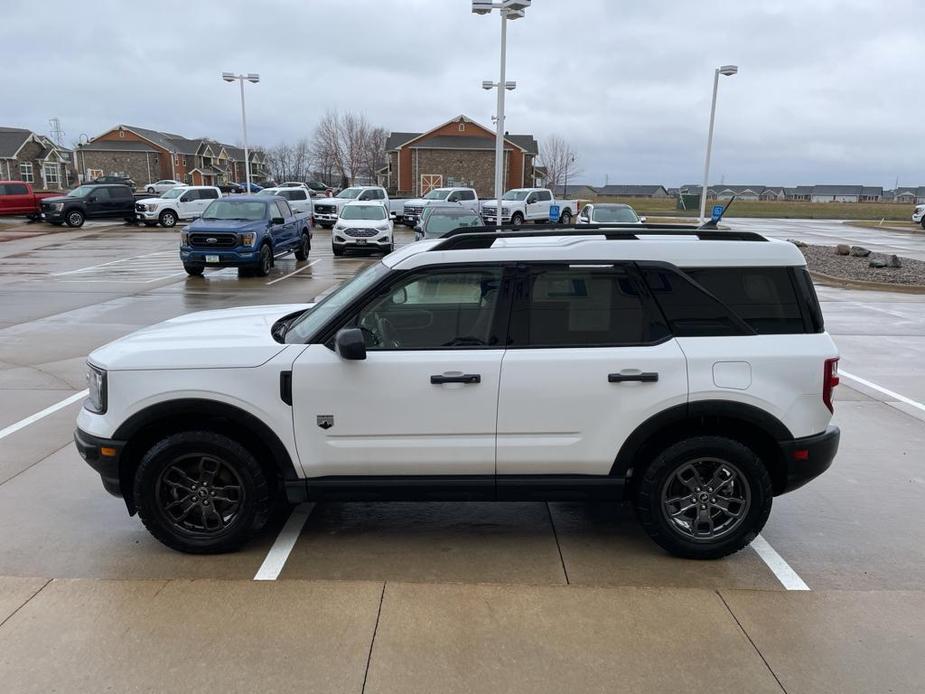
x=807, y=458
x=103, y=456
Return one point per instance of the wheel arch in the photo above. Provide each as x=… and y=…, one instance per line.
x=745, y=423
x=149, y=425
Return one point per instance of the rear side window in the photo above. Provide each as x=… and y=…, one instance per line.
x=583, y=306
x=208, y=194
x=120, y=193
x=13, y=189
x=764, y=297
x=101, y=194
x=690, y=311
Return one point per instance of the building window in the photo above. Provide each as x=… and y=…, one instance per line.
x=462, y=127
x=121, y=133
x=50, y=172
x=25, y=172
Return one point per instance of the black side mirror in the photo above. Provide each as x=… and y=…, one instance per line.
x=349, y=343
x=277, y=220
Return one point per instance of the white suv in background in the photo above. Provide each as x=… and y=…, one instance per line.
x=182, y=202
x=363, y=226
x=918, y=215
x=298, y=197
x=685, y=371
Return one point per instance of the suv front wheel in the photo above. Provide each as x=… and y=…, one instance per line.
x=201, y=492
x=704, y=497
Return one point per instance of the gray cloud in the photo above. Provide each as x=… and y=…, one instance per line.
x=829, y=90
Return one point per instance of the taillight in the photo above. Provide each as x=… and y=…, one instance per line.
x=829, y=381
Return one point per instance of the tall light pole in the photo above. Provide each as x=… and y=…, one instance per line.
x=728, y=71
x=569, y=160
x=509, y=10
x=253, y=79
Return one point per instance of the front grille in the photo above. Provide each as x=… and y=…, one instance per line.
x=202, y=240
x=325, y=209
x=413, y=210
x=360, y=233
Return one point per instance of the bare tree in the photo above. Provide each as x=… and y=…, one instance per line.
x=348, y=146
x=559, y=159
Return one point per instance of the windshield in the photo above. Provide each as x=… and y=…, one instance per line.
x=516, y=195
x=438, y=223
x=606, y=213
x=438, y=194
x=306, y=325
x=173, y=193
x=373, y=212
x=349, y=193
x=80, y=192
x=246, y=210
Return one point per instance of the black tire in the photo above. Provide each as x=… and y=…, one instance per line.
x=74, y=219
x=265, y=262
x=150, y=189
x=517, y=218
x=664, y=475
x=388, y=249
x=337, y=251
x=565, y=217
x=186, y=466
x=304, y=248
x=167, y=219
x=194, y=270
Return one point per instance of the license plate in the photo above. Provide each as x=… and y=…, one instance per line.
x=361, y=242
x=211, y=258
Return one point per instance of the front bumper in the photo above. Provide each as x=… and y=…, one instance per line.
x=490, y=219
x=325, y=217
x=807, y=458
x=917, y=216
x=343, y=241
x=52, y=216
x=219, y=258
x=146, y=216
x=103, y=456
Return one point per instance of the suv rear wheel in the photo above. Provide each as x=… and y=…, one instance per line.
x=704, y=497
x=201, y=492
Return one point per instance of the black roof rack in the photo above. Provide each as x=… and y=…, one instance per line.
x=484, y=237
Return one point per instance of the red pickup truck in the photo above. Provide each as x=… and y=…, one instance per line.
x=18, y=198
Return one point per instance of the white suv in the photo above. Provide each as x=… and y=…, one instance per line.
x=182, y=202
x=363, y=226
x=686, y=371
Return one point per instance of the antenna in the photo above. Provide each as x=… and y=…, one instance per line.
x=57, y=134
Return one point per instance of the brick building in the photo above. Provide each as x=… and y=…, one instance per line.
x=33, y=158
x=459, y=152
x=146, y=155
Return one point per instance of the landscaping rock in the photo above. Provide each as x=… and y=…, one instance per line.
x=825, y=260
x=877, y=262
x=895, y=261
x=860, y=251
x=842, y=249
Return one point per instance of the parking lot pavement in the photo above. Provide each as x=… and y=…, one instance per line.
x=566, y=571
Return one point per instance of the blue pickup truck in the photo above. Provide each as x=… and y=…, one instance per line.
x=245, y=232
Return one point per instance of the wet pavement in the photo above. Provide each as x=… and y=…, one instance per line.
x=426, y=597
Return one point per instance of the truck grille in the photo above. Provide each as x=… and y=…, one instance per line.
x=325, y=209
x=409, y=209
x=203, y=240
x=360, y=233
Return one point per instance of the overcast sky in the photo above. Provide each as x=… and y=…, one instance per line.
x=829, y=91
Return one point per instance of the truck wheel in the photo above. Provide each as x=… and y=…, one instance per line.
x=201, y=492
x=168, y=218
x=304, y=248
x=565, y=217
x=517, y=218
x=75, y=218
x=149, y=189
x=337, y=251
x=194, y=270
x=704, y=497
x=265, y=262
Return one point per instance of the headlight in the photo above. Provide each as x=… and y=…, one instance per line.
x=505, y=210
x=152, y=207
x=384, y=227
x=58, y=206
x=249, y=238
x=96, y=385
x=339, y=227
x=184, y=238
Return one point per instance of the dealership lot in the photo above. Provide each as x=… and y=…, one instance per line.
x=424, y=597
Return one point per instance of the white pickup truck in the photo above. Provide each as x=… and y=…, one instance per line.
x=412, y=209
x=181, y=202
x=528, y=205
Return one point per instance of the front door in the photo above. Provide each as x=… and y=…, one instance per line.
x=424, y=401
x=100, y=203
x=589, y=361
x=538, y=205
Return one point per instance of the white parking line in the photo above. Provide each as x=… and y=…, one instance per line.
x=305, y=267
x=788, y=578
x=90, y=268
x=885, y=391
x=276, y=558
x=22, y=423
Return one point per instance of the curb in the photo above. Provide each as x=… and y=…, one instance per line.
x=865, y=284
x=886, y=227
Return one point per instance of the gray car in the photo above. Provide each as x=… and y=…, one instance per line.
x=436, y=221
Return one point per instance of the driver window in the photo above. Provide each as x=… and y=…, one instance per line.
x=439, y=309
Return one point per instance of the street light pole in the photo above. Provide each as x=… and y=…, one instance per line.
x=509, y=10
x=726, y=70
x=253, y=79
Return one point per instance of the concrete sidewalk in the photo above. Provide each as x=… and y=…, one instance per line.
x=82, y=635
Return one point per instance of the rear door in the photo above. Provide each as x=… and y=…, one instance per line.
x=589, y=360
x=121, y=201
x=16, y=199
x=285, y=233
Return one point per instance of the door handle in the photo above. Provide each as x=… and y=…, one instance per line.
x=461, y=378
x=644, y=377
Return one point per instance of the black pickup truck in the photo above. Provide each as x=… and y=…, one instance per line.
x=91, y=201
